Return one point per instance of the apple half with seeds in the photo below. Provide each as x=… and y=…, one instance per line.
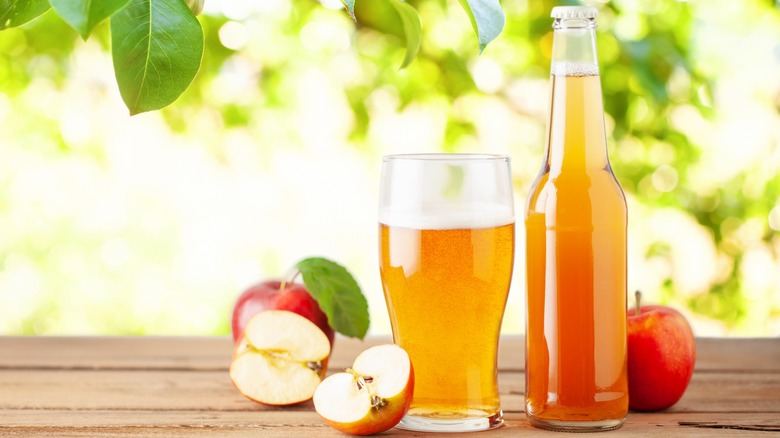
x=372, y=396
x=279, y=360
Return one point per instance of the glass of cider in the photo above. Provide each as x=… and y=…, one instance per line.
x=446, y=238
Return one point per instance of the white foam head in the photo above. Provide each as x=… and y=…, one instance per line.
x=446, y=191
x=449, y=217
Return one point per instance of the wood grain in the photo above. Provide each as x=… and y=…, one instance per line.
x=168, y=386
x=305, y=424
x=177, y=390
x=213, y=353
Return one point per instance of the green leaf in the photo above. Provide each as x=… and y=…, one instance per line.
x=350, y=6
x=17, y=12
x=337, y=294
x=157, y=46
x=487, y=19
x=84, y=15
x=412, y=24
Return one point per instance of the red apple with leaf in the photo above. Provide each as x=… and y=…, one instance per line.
x=278, y=359
x=330, y=298
x=278, y=295
x=661, y=356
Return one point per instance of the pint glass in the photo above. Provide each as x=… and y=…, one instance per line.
x=446, y=237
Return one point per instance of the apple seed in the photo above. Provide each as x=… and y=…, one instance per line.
x=365, y=382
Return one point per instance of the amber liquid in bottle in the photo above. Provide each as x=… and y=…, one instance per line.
x=576, y=255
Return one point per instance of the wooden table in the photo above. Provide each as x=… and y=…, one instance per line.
x=167, y=386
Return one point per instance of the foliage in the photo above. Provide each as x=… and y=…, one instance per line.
x=157, y=44
x=693, y=136
x=84, y=15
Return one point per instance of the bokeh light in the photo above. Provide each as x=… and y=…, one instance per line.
x=153, y=224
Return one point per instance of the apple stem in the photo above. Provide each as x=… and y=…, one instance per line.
x=292, y=274
x=638, y=299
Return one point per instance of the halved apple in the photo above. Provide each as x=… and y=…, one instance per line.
x=280, y=358
x=372, y=396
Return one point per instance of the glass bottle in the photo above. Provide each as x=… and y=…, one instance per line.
x=576, y=250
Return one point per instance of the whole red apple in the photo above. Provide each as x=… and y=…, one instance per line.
x=269, y=295
x=661, y=356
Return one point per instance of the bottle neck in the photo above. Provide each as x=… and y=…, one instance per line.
x=574, y=47
x=576, y=137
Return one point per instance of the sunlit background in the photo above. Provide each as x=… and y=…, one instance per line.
x=154, y=224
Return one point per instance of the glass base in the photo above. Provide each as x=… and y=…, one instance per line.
x=471, y=421
x=575, y=426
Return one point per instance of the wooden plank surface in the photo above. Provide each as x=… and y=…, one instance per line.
x=300, y=424
x=163, y=386
x=148, y=352
x=176, y=390
x=214, y=353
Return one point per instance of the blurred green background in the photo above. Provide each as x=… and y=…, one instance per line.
x=154, y=224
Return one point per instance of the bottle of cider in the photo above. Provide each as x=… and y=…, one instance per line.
x=576, y=250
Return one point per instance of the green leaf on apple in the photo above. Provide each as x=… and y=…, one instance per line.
x=338, y=295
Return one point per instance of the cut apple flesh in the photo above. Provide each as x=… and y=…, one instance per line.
x=279, y=358
x=378, y=374
x=285, y=331
x=339, y=399
x=264, y=380
x=387, y=365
